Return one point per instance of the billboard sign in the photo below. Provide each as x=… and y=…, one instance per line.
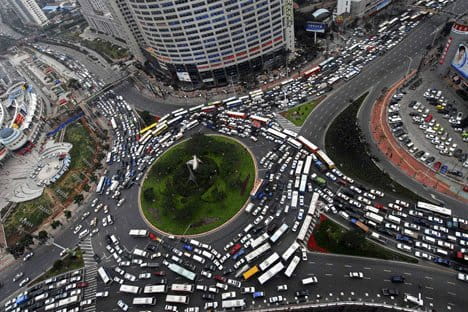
x=460, y=60
x=184, y=76
x=315, y=27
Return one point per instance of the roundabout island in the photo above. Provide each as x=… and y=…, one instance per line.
x=197, y=185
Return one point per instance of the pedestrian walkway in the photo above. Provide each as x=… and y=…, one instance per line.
x=90, y=273
x=286, y=124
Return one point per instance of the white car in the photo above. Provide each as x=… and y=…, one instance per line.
x=122, y=305
x=206, y=274
x=356, y=274
x=276, y=299
x=18, y=276
x=102, y=294
x=282, y=287
x=295, y=226
x=119, y=270
x=146, y=275
x=248, y=290
x=104, y=221
x=24, y=282
x=77, y=229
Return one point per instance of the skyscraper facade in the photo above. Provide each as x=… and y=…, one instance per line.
x=29, y=12
x=99, y=18
x=211, y=42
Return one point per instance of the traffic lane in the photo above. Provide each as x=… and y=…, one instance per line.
x=378, y=70
x=133, y=96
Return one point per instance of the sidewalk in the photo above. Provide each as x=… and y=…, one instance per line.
x=399, y=157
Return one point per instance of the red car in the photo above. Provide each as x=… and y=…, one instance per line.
x=235, y=248
x=82, y=285
x=220, y=278
x=159, y=273
x=437, y=166
x=428, y=118
x=379, y=206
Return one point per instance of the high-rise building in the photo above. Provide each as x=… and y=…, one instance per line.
x=29, y=12
x=100, y=19
x=359, y=8
x=210, y=42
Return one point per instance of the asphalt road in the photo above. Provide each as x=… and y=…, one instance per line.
x=381, y=73
x=437, y=285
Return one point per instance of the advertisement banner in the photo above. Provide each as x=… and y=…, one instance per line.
x=315, y=27
x=184, y=76
x=460, y=60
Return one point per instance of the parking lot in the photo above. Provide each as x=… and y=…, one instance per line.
x=426, y=122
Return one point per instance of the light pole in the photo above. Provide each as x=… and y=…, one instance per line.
x=409, y=65
x=188, y=227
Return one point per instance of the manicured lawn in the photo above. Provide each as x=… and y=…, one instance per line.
x=298, y=114
x=329, y=236
x=224, y=180
x=344, y=146
x=69, y=263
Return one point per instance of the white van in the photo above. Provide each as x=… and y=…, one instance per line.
x=309, y=280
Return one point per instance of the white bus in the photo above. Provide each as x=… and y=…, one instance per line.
x=290, y=133
x=292, y=266
x=144, y=301
x=182, y=271
x=129, y=289
x=265, y=277
x=104, y=276
x=177, y=299
x=138, y=233
x=140, y=253
x=235, y=303
x=155, y=289
x=268, y=261
x=259, y=240
x=257, y=252
x=374, y=217
x=301, y=236
x=100, y=186
x=279, y=232
x=294, y=143
x=313, y=204
x=290, y=251
x=307, y=165
x=67, y=301
x=277, y=134
x=294, y=199
x=303, y=184
x=188, y=288
x=433, y=208
x=393, y=219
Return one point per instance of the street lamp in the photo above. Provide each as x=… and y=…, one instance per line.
x=409, y=65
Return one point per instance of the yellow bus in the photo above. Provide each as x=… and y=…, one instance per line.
x=142, y=131
x=250, y=272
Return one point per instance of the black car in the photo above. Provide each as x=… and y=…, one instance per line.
x=302, y=293
x=97, y=258
x=208, y=296
x=210, y=267
x=390, y=292
x=152, y=248
x=397, y=279
x=228, y=271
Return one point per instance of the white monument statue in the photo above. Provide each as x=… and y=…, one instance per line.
x=192, y=166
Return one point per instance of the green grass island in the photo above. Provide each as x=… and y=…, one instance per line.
x=179, y=202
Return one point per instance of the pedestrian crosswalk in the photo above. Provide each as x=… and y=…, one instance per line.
x=90, y=274
x=286, y=124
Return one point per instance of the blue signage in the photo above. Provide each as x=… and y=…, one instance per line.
x=315, y=27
